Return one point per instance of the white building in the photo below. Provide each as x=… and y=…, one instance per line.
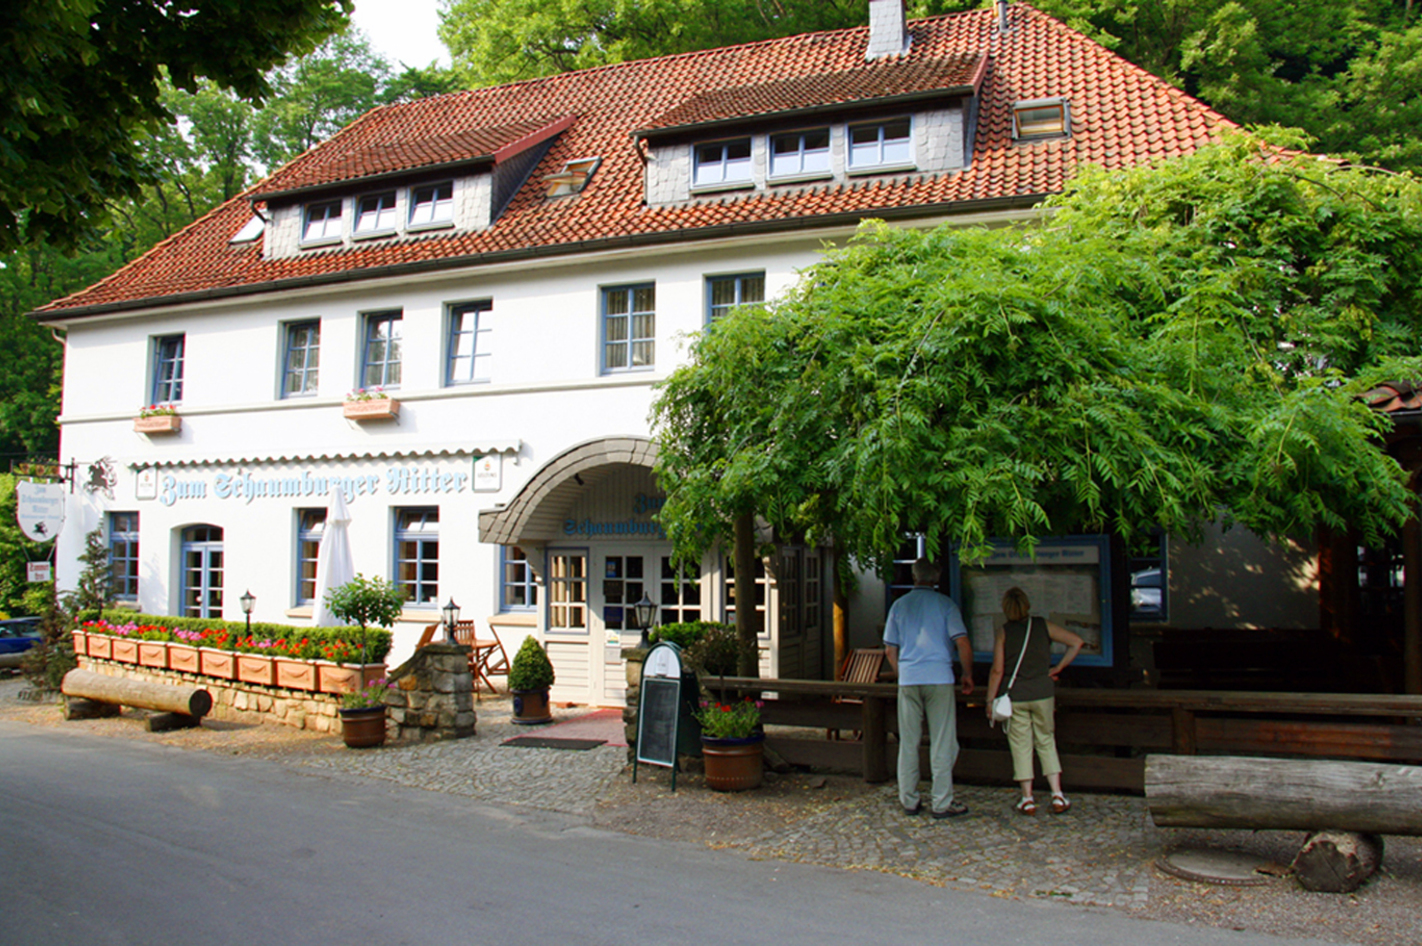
x=517, y=267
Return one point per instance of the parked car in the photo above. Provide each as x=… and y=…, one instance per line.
x=1147, y=595
x=17, y=635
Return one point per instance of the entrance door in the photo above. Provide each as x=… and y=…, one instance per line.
x=202, y=572
x=621, y=576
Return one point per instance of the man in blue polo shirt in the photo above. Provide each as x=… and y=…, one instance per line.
x=917, y=638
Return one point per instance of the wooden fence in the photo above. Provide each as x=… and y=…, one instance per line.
x=1103, y=736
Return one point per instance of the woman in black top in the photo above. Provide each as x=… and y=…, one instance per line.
x=1033, y=693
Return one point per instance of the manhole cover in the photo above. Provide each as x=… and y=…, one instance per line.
x=1218, y=867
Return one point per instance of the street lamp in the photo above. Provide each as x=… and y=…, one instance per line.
x=646, y=610
x=451, y=617
x=248, y=600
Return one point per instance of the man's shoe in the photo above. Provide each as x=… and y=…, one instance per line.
x=914, y=810
x=954, y=809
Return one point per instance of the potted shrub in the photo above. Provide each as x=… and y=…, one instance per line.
x=363, y=715
x=530, y=677
x=732, y=743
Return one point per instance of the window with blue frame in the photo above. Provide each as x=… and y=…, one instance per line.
x=724, y=293
x=881, y=144
x=722, y=163
x=629, y=327
x=800, y=152
x=469, y=342
x=310, y=526
x=168, y=369
x=380, y=362
x=518, y=589
x=303, y=359
x=123, y=555
x=417, y=554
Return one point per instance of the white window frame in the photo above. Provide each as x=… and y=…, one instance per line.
x=389, y=365
x=469, y=366
x=807, y=161
x=724, y=171
x=301, y=379
x=169, y=357
x=880, y=161
x=310, y=527
x=568, y=607
x=428, y=208
x=1031, y=119
x=321, y=222
x=376, y=214
x=426, y=534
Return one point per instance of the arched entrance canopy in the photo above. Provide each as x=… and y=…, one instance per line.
x=536, y=514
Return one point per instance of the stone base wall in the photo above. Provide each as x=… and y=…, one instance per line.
x=240, y=702
x=432, y=696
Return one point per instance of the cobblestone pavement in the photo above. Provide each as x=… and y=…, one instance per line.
x=1102, y=854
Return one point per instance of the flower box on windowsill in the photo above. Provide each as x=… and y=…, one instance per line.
x=158, y=424
x=376, y=408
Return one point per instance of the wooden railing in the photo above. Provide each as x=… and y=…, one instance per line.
x=1102, y=735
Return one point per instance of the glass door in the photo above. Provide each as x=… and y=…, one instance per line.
x=202, y=572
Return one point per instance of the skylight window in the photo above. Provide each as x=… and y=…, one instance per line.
x=573, y=178
x=432, y=204
x=725, y=162
x=250, y=230
x=376, y=213
x=1041, y=118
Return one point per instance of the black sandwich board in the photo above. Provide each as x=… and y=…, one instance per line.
x=664, y=708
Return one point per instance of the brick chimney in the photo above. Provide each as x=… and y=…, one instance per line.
x=888, y=36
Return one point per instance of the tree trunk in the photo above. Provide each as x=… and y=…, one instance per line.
x=1337, y=861
x=1412, y=601
x=192, y=701
x=747, y=625
x=1283, y=794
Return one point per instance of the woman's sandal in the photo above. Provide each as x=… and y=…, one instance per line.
x=1060, y=805
x=1026, y=806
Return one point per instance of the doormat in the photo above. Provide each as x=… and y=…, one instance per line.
x=545, y=742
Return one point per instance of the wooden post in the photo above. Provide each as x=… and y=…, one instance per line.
x=747, y=628
x=1337, y=861
x=1182, y=734
x=876, y=740
x=841, y=628
x=1412, y=600
x=191, y=701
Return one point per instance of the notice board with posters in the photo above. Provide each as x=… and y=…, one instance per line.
x=1067, y=581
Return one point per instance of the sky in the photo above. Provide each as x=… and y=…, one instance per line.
x=402, y=30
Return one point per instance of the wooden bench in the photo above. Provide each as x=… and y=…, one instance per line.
x=88, y=695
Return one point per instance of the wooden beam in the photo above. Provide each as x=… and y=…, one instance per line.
x=125, y=691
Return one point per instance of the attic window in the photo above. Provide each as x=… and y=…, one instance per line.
x=250, y=230
x=323, y=221
x=376, y=213
x=1041, y=118
x=432, y=205
x=573, y=178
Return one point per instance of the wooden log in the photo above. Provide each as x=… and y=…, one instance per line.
x=192, y=701
x=164, y=722
x=1283, y=794
x=1337, y=861
x=76, y=707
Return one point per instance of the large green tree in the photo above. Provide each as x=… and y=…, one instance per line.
x=81, y=80
x=1178, y=341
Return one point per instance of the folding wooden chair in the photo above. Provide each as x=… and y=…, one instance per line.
x=861, y=665
x=428, y=635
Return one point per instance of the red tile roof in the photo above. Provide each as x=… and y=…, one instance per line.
x=1121, y=116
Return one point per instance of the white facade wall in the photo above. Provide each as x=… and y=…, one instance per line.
x=546, y=394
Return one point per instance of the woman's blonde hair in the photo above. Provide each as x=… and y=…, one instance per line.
x=1015, y=606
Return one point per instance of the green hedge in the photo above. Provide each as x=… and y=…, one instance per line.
x=377, y=639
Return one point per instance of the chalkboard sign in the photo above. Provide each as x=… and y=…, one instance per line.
x=660, y=709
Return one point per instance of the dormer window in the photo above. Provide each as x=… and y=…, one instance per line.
x=722, y=163
x=323, y=222
x=376, y=213
x=432, y=204
x=883, y=144
x=1041, y=118
x=573, y=178
x=801, y=152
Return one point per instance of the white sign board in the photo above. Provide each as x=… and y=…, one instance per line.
x=38, y=571
x=40, y=509
x=489, y=473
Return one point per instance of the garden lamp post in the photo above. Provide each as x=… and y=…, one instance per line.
x=451, y=617
x=249, y=601
x=646, y=610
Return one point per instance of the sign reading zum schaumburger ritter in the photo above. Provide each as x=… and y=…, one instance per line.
x=39, y=509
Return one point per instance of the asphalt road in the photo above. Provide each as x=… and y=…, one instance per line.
x=108, y=841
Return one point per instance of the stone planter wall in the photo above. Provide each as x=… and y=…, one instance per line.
x=237, y=701
x=432, y=696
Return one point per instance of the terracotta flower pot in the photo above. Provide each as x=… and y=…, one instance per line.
x=100, y=646
x=346, y=678
x=256, y=668
x=153, y=654
x=81, y=643
x=158, y=424
x=183, y=658
x=733, y=765
x=217, y=663
x=125, y=650
x=377, y=408
x=295, y=674
x=363, y=728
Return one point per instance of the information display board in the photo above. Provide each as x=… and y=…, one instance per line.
x=664, y=723
x=1067, y=581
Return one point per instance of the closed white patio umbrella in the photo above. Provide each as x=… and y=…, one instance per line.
x=334, y=564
